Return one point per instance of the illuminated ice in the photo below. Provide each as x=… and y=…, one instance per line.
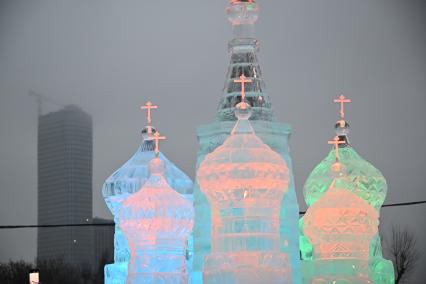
x=343, y=207
x=244, y=181
x=127, y=180
x=157, y=222
x=243, y=48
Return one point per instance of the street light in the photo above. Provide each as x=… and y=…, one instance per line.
x=34, y=276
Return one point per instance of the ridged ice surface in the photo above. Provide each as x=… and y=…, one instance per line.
x=363, y=177
x=245, y=181
x=157, y=222
x=244, y=61
x=341, y=225
x=127, y=180
x=339, y=238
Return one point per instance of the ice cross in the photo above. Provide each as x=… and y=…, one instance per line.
x=148, y=106
x=157, y=137
x=342, y=100
x=243, y=79
x=336, y=142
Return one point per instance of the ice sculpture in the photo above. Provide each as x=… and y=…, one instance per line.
x=245, y=181
x=157, y=222
x=353, y=190
x=128, y=179
x=243, y=60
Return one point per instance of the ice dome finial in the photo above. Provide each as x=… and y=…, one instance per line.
x=243, y=15
x=148, y=130
x=342, y=126
x=242, y=12
x=156, y=166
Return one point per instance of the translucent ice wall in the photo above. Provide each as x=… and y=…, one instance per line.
x=157, y=222
x=245, y=181
x=127, y=180
x=362, y=182
x=243, y=60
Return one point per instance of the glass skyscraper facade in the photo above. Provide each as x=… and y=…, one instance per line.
x=65, y=141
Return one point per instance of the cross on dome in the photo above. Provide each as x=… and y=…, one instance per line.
x=342, y=100
x=157, y=138
x=336, y=142
x=243, y=79
x=148, y=106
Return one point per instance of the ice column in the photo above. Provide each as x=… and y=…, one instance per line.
x=127, y=180
x=157, y=222
x=339, y=238
x=243, y=49
x=245, y=181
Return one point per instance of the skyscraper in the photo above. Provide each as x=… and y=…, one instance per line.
x=65, y=139
x=103, y=242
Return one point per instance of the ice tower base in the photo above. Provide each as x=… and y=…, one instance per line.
x=353, y=271
x=251, y=268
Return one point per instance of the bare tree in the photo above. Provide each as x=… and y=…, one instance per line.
x=403, y=252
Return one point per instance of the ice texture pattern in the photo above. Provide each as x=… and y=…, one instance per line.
x=124, y=182
x=243, y=60
x=157, y=222
x=244, y=181
x=339, y=238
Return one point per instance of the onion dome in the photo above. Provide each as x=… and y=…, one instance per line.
x=156, y=212
x=130, y=177
x=243, y=169
x=340, y=224
x=361, y=175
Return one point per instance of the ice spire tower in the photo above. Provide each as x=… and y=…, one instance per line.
x=243, y=50
x=127, y=180
x=245, y=181
x=157, y=222
x=339, y=234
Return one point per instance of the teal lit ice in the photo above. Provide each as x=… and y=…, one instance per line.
x=127, y=180
x=244, y=181
x=157, y=222
x=243, y=50
x=358, y=193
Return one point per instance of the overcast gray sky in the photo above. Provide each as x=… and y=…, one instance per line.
x=109, y=57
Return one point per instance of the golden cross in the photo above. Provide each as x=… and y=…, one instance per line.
x=336, y=142
x=148, y=106
x=157, y=137
x=342, y=100
x=243, y=79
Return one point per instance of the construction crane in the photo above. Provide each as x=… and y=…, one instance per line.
x=40, y=98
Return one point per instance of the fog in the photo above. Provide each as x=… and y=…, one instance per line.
x=109, y=57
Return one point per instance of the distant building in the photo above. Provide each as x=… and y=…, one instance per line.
x=103, y=246
x=65, y=141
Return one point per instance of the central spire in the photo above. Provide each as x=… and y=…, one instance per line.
x=243, y=48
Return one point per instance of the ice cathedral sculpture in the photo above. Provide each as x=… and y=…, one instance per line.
x=339, y=238
x=243, y=50
x=127, y=180
x=244, y=181
x=157, y=222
